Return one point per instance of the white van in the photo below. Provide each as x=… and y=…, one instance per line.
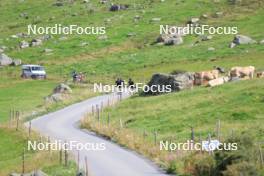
x=33, y=71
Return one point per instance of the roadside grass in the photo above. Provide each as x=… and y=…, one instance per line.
x=12, y=144
x=133, y=122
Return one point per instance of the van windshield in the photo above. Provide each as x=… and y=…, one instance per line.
x=37, y=68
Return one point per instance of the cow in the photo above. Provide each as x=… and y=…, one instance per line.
x=205, y=76
x=242, y=72
x=260, y=74
x=218, y=81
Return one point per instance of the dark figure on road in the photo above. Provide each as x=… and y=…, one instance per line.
x=131, y=83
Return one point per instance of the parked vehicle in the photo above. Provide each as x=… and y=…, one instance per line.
x=33, y=71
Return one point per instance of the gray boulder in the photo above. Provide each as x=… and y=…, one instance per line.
x=178, y=82
x=62, y=88
x=16, y=62
x=56, y=97
x=5, y=60
x=24, y=44
x=170, y=39
x=242, y=39
x=36, y=42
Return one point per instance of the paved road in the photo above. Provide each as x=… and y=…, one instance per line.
x=113, y=161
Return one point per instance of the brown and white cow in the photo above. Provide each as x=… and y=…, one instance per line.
x=260, y=74
x=202, y=78
x=218, y=81
x=242, y=72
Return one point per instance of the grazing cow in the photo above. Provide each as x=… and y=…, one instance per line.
x=260, y=74
x=242, y=72
x=218, y=81
x=205, y=76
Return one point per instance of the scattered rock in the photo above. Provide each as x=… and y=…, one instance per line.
x=131, y=34
x=174, y=41
x=24, y=44
x=177, y=82
x=170, y=39
x=103, y=37
x=261, y=42
x=84, y=44
x=232, y=45
x=211, y=49
x=24, y=15
x=47, y=50
x=194, y=21
x=206, y=37
x=242, y=39
x=57, y=97
x=46, y=37
x=35, y=42
x=16, y=62
x=103, y=1
x=58, y=4
x=62, y=88
x=136, y=18
x=63, y=38
x=5, y=60
x=204, y=16
x=155, y=20
x=219, y=14
x=117, y=7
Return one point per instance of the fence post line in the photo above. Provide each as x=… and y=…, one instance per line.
x=66, y=156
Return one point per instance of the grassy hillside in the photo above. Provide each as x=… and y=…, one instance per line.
x=237, y=105
x=12, y=144
x=119, y=55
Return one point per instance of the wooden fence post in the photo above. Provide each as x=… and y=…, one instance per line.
x=209, y=142
x=60, y=157
x=120, y=123
x=65, y=155
x=92, y=109
x=108, y=119
x=86, y=167
x=17, y=120
x=192, y=134
x=78, y=162
x=98, y=113
x=261, y=156
x=155, y=137
x=23, y=162
x=29, y=129
x=218, y=126
x=144, y=134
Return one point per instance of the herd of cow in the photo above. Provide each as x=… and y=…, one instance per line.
x=214, y=77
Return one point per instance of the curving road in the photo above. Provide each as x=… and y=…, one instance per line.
x=113, y=161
